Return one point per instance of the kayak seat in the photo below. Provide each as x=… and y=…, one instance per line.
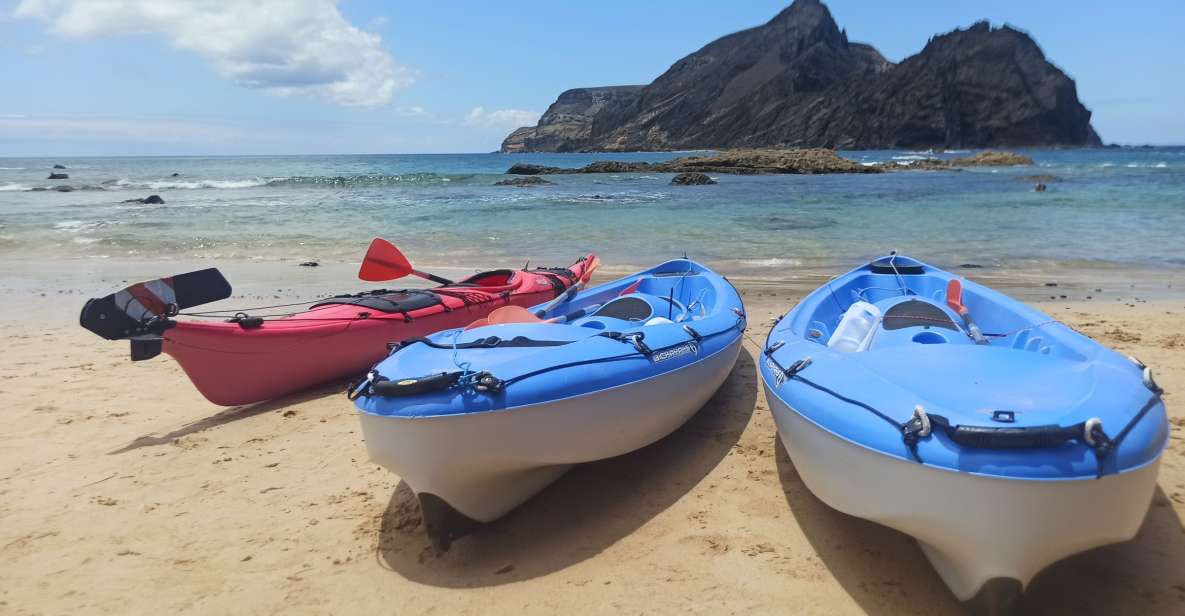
x=629, y=308
x=499, y=279
x=385, y=301
x=917, y=313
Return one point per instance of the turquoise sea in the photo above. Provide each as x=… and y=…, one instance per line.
x=1123, y=207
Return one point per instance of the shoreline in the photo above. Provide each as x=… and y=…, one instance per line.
x=126, y=491
x=59, y=288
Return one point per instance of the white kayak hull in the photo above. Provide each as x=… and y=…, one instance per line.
x=482, y=465
x=983, y=534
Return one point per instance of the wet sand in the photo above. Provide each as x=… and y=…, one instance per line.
x=123, y=491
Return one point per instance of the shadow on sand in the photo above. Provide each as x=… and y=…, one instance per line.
x=880, y=567
x=232, y=414
x=585, y=511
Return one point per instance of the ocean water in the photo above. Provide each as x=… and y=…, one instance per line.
x=1121, y=207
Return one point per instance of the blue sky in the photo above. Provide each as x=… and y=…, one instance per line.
x=142, y=77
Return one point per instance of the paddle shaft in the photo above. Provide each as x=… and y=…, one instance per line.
x=972, y=327
x=432, y=277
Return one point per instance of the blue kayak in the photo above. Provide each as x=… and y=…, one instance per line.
x=477, y=420
x=999, y=437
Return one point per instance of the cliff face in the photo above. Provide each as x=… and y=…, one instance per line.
x=566, y=124
x=798, y=81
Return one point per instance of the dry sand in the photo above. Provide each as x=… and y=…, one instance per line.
x=123, y=491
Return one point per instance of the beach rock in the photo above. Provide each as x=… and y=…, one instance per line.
x=59, y=166
x=59, y=176
x=797, y=81
x=309, y=264
x=531, y=180
x=692, y=179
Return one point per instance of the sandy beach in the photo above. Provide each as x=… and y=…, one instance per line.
x=123, y=491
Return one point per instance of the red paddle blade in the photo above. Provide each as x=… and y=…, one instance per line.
x=383, y=262
x=630, y=289
x=954, y=295
x=592, y=266
x=512, y=314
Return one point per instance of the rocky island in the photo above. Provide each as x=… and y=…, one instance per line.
x=797, y=81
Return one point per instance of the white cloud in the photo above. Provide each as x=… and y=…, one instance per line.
x=501, y=119
x=282, y=47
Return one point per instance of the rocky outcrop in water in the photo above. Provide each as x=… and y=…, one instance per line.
x=990, y=158
x=797, y=81
x=736, y=162
x=59, y=176
x=522, y=182
x=149, y=200
x=692, y=179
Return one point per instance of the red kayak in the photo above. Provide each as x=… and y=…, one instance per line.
x=251, y=358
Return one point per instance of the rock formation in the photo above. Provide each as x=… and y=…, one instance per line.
x=692, y=179
x=797, y=81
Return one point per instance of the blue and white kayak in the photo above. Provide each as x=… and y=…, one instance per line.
x=998, y=437
x=478, y=420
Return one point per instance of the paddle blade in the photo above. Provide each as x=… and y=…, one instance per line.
x=594, y=263
x=383, y=262
x=633, y=288
x=954, y=295
x=121, y=314
x=512, y=314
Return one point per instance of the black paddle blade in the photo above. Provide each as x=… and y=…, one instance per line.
x=123, y=314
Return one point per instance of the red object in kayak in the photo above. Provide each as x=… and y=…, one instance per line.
x=251, y=360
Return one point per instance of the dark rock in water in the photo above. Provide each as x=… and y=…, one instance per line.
x=175, y=175
x=64, y=188
x=524, y=169
x=971, y=266
x=797, y=81
x=59, y=176
x=532, y=180
x=1051, y=284
x=59, y=166
x=1039, y=188
x=310, y=264
x=149, y=200
x=692, y=179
